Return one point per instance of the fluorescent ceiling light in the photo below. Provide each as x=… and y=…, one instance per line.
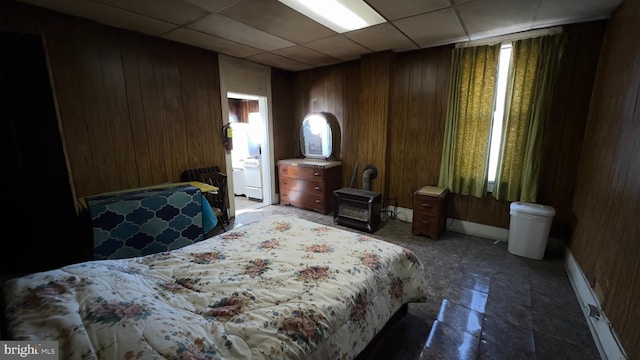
x=338, y=15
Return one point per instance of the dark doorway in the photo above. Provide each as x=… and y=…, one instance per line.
x=42, y=216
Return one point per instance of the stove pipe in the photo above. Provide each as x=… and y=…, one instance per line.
x=370, y=173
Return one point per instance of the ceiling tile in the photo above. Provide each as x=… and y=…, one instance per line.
x=278, y=19
x=224, y=27
x=398, y=9
x=381, y=37
x=496, y=17
x=275, y=35
x=212, y=5
x=210, y=42
x=573, y=11
x=279, y=62
x=434, y=28
x=173, y=11
x=106, y=15
x=338, y=46
x=307, y=56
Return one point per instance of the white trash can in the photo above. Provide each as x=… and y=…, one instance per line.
x=529, y=227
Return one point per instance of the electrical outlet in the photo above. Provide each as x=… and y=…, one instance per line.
x=593, y=311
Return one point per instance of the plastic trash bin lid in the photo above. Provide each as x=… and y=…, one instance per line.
x=531, y=208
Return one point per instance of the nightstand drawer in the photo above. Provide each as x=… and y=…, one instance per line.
x=425, y=224
x=428, y=204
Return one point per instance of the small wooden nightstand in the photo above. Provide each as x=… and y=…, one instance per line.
x=429, y=211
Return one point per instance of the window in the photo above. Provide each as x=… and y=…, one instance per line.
x=498, y=113
x=499, y=102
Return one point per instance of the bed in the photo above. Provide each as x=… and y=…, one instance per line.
x=279, y=288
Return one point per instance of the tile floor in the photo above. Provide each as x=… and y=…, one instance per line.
x=244, y=204
x=485, y=303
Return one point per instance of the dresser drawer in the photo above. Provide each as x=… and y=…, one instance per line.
x=305, y=172
x=304, y=200
x=303, y=185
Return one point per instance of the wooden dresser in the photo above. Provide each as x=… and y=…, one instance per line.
x=429, y=211
x=309, y=183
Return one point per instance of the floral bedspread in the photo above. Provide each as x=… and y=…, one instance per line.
x=281, y=288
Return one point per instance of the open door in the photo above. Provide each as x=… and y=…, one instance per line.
x=245, y=80
x=248, y=117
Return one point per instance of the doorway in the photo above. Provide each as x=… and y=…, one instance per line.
x=248, y=118
x=35, y=155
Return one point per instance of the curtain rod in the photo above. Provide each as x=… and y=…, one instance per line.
x=510, y=37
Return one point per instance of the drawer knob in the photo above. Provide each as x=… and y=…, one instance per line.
x=317, y=187
x=425, y=222
x=318, y=201
x=426, y=205
x=316, y=174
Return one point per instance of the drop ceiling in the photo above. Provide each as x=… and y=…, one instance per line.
x=270, y=33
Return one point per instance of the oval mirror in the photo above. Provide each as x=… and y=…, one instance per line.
x=316, y=137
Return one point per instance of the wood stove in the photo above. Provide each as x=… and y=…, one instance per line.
x=358, y=209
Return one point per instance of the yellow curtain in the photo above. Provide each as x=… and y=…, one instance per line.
x=468, y=121
x=532, y=76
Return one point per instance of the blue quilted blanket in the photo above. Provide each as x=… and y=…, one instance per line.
x=146, y=221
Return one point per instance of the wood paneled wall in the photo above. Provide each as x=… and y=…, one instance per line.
x=565, y=130
x=286, y=125
x=606, y=204
x=242, y=107
x=411, y=144
x=134, y=110
x=335, y=90
x=373, y=116
x=416, y=121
